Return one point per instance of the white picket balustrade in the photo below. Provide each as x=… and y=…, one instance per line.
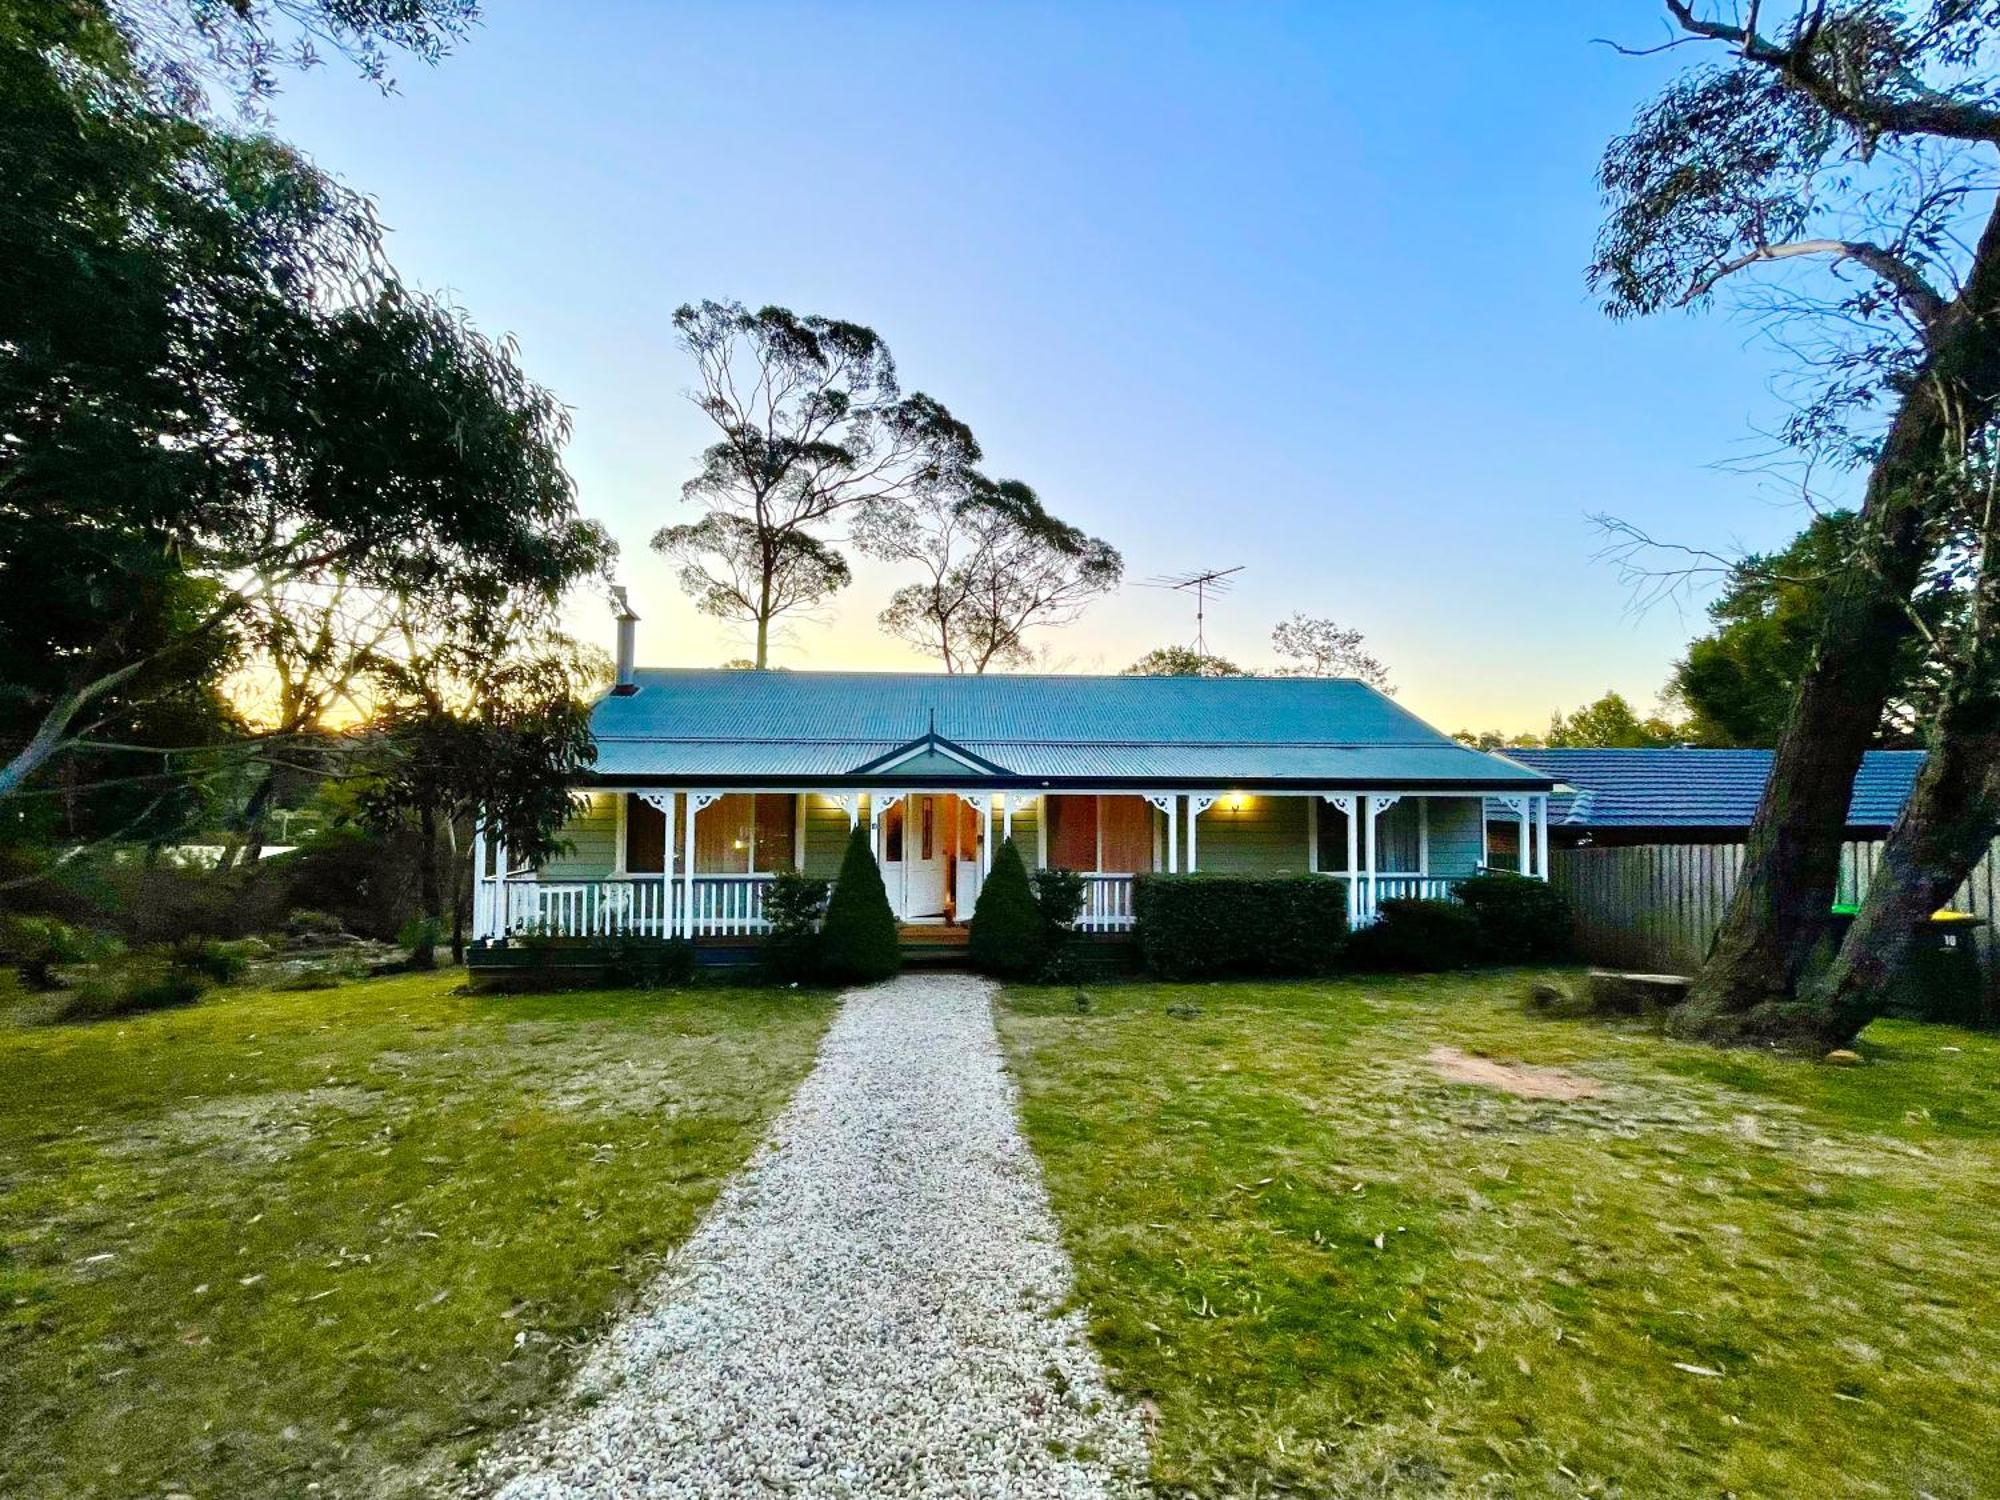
x=726, y=905
x=1107, y=903
x=642, y=906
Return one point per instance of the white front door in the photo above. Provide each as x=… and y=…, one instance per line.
x=923, y=857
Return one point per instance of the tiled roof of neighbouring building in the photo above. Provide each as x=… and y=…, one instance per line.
x=1698, y=788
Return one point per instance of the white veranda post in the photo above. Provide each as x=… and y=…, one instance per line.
x=1021, y=802
x=504, y=917
x=482, y=917
x=696, y=802
x=1345, y=803
x=1197, y=804
x=1542, y=836
x=1166, y=803
x=663, y=802
x=1376, y=805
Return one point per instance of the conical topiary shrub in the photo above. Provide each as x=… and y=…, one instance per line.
x=1008, y=935
x=858, y=941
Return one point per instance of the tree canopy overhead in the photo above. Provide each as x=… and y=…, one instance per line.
x=213, y=386
x=186, y=47
x=1830, y=166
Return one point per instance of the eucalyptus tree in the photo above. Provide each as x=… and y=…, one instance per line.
x=1318, y=647
x=1182, y=661
x=812, y=426
x=1948, y=825
x=1832, y=163
x=1611, y=723
x=212, y=386
x=189, y=47
x=309, y=649
x=995, y=565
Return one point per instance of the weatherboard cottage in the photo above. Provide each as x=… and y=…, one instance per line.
x=709, y=782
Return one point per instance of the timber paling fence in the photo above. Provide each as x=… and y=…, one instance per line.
x=1656, y=906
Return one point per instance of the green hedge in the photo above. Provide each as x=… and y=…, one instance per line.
x=1198, y=926
x=794, y=905
x=1425, y=936
x=1520, y=919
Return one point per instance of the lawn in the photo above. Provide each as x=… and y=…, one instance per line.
x=1330, y=1269
x=327, y=1242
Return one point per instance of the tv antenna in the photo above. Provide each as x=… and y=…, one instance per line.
x=1201, y=585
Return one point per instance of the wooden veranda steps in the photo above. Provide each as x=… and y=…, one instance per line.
x=933, y=942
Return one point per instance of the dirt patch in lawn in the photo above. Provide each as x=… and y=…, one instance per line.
x=1518, y=1079
x=244, y=1127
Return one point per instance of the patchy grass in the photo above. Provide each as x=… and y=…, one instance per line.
x=332, y=1239
x=1335, y=1271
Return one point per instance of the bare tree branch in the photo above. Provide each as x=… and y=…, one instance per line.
x=1917, y=295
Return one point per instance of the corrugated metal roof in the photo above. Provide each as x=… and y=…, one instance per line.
x=1698, y=788
x=742, y=726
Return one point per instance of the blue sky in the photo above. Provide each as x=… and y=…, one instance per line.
x=1295, y=287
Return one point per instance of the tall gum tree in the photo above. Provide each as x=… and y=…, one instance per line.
x=1843, y=155
x=812, y=426
x=213, y=385
x=1948, y=824
x=995, y=565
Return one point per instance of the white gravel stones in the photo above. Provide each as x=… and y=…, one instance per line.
x=870, y=1308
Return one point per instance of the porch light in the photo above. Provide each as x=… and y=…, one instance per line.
x=1236, y=800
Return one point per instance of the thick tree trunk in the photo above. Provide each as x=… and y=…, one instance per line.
x=1943, y=832
x=1779, y=919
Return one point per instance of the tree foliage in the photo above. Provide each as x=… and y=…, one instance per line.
x=995, y=565
x=1830, y=171
x=186, y=47
x=1182, y=661
x=1493, y=739
x=812, y=423
x=214, y=387
x=1611, y=723
x=1738, y=681
x=1319, y=647
x=485, y=718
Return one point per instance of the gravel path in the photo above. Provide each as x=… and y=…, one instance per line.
x=869, y=1309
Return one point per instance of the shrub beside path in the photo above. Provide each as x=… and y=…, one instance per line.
x=873, y=1307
